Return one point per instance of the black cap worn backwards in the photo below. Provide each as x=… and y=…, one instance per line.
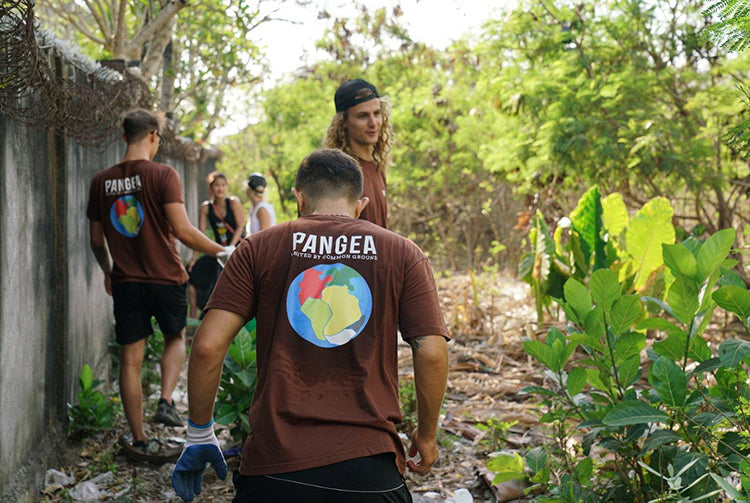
x=256, y=182
x=353, y=92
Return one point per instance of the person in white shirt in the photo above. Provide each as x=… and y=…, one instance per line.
x=262, y=214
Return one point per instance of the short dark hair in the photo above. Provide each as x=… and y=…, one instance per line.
x=329, y=173
x=138, y=123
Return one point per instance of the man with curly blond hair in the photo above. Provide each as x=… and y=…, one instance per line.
x=362, y=129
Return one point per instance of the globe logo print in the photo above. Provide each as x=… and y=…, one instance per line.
x=329, y=304
x=126, y=215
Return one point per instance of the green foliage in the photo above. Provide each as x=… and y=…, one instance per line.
x=495, y=432
x=93, y=411
x=673, y=437
x=237, y=386
x=582, y=245
x=407, y=399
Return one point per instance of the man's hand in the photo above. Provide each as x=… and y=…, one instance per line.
x=201, y=447
x=108, y=284
x=427, y=450
x=223, y=256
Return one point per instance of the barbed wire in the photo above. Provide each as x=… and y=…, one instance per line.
x=45, y=82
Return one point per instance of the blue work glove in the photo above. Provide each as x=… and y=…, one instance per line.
x=201, y=447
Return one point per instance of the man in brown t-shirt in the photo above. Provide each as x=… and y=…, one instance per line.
x=362, y=129
x=329, y=293
x=136, y=209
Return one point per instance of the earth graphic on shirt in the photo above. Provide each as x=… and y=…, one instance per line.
x=329, y=305
x=126, y=215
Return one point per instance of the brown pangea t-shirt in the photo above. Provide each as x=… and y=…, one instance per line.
x=128, y=199
x=374, y=187
x=329, y=294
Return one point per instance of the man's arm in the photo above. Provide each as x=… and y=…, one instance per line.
x=207, y=353
x=187, y=233
x=430, y=356
x=239, y=219
x=98, y=244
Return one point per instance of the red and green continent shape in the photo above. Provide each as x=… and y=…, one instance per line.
x=317, y=296
x=127, y=214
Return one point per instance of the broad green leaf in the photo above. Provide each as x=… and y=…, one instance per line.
x=594, y=378
x=669, y=382
x=673, y=347
x=648, y=230
x=605, y=289
x=536, y=459
x=733, y=351
x=680, y=260
x=658, y=438
x=729, y=277
x=577, y=297
x=630, y=412
x=587, y=340
x=708, y=365
x=734, y=299
x=584, y=469
x=628, y=345
x=614, y=214
x=629, y=371
x=713, y=252
x=586, y=219
x=683, y=298
x=576, y=380
x=542, y=352
x=626, y=312
x=699, y=350
x=506, y=467
x=86, y=378
x=731, y=491
x=594, y=323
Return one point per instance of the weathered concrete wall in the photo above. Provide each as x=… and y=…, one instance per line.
x=54, y=313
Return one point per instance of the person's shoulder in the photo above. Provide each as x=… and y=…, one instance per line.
x=393, y=237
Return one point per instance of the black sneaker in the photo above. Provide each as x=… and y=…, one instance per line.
x=167, y=414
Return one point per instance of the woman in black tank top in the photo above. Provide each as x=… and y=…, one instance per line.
x=226, y=217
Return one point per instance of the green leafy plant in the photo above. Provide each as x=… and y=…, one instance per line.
x=407, y=397
x=656, y=438
x=93, y=411
x=598, y=234
x=495, y=432
x=238, y=380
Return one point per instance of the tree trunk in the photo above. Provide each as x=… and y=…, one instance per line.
x=167, y=79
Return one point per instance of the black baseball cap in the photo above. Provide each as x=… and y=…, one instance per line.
x=353, y=92
x=257, y=182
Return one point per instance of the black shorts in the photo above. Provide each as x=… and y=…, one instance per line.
x=136, y=303
x=205, y=272
x=373, y=479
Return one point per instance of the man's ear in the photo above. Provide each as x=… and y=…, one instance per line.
x=300, y=197
x=361, y=204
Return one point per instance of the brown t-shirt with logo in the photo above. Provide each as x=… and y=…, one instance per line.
x=329, y=294
x=374, y=187
x=128, y=199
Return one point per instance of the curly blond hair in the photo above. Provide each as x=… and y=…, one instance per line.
x=336, y=136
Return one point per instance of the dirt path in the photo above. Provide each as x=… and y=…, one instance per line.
x=488, y=316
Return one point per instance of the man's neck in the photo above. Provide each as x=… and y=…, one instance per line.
x=363, y=152
x=338, y=208
x=137, y=153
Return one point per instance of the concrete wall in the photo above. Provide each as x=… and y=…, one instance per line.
x=54, y=313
